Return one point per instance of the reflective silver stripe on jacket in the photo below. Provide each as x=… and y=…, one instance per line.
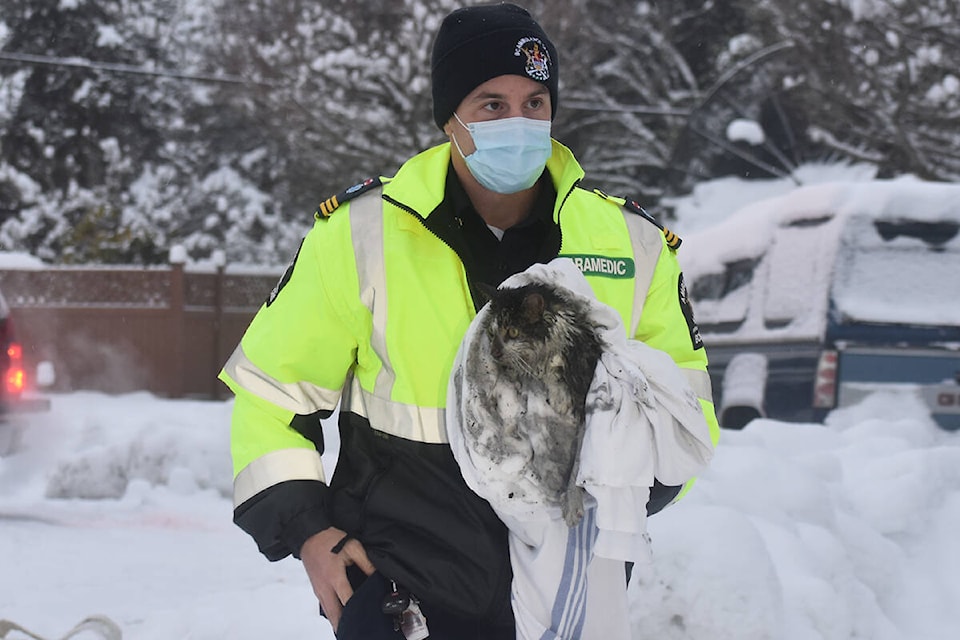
x=649, y=238
x=366, y=232
x=276, y=467
x=645, y=263
x=299, y=397
x=422, y=424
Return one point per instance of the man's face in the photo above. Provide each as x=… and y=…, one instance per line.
x=506, y=96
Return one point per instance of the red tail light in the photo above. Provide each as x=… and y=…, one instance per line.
x=825, y=383
x=15, y=378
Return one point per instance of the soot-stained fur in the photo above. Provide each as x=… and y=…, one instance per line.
x=531, y=368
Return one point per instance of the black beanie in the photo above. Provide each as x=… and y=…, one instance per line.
x=476, y=44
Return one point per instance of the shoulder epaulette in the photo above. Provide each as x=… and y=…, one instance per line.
x=330, y=205
x=673, y=240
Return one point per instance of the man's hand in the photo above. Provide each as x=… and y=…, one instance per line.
x=327, y=569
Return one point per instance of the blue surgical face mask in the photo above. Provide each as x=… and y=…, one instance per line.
x=510, y=153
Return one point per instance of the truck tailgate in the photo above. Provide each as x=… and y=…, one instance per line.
x=930, y=373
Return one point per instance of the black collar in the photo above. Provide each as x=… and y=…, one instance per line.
x=485, y=258
x=461, y=206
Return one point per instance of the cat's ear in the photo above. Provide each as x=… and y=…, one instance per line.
x=483, y=293
x=532, y=307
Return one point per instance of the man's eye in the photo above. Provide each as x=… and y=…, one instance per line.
x=536, y=103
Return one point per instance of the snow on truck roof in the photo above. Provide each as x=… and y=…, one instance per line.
x=884, y=251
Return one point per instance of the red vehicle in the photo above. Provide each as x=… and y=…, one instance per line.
x=15, y=396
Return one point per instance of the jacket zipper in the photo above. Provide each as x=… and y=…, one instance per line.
x=575, y=184
x=423, y=222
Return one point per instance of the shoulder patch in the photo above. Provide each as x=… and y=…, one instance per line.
x=687, y=310
x=330, y=205
x=673, y=240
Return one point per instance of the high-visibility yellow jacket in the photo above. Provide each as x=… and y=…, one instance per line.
x=370, y=315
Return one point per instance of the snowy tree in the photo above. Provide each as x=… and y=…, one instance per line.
x=882, y=81
x=832, y=80
x=349, y=90
x=76, y=132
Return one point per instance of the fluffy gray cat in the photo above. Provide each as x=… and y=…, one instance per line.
x=529, y=374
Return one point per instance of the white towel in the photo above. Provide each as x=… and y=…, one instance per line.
x=643, y=421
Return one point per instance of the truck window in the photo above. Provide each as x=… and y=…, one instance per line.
x=799, y=269
x=898, y=272
x=723, y=298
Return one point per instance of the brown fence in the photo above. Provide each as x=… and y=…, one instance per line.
x=164, y=330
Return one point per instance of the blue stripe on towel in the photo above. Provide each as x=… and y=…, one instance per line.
x=570, y=606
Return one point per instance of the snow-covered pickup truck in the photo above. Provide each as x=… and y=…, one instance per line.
x=814, y=299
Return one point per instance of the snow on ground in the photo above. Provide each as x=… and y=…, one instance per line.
x=119, y=506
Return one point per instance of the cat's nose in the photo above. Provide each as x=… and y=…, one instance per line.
x=496, y=349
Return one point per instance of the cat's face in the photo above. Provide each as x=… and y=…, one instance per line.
x=519, y=329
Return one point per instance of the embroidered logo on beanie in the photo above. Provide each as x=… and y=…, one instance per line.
x=538, y=58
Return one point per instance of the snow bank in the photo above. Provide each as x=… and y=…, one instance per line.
x=797, y=531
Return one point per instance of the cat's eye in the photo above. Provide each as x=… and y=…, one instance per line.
x=513, y=332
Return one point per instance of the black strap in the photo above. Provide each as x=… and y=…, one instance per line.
x=337, y=548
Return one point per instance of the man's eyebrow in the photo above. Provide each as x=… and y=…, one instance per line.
x=490, y=95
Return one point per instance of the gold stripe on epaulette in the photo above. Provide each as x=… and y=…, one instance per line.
x=328, y=206
x=673, y=240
